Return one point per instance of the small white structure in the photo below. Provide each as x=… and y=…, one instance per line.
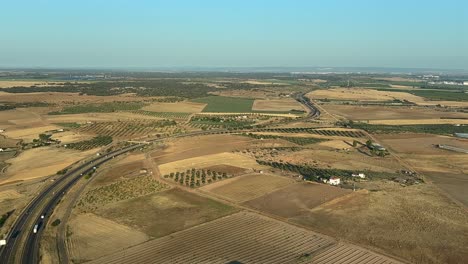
x=60, y=130
x=334, y=181
x=377, y=146
x=2, y=242
x=359, y=175
x=465, y=83
x=1, y=150
x=2, y=130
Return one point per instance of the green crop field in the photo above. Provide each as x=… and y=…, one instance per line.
x=223, y=104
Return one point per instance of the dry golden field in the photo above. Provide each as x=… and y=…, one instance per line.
x=179, y=107
x=260, y=94
x=163, y=213
x=446, y=169
x=380, y=113
x=206, y=161
x=361, y=94
x=47, y=161
x=93, y=237
x=416, y=223
x=297, y=199
x=119, y=171
x=285, y=104
x=184, y=148
x=99, y=117
x=247, y=187
x=9, y=195
x=324, y=157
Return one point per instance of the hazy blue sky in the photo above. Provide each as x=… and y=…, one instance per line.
x=396, y=33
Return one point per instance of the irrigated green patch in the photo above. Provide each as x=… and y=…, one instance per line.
x=223, y=104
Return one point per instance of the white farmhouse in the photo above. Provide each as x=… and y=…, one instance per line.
x=359, y=175
x=334, y=181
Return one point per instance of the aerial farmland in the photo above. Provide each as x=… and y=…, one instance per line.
x=237, y=169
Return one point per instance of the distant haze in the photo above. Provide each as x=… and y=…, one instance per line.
x=213, y=34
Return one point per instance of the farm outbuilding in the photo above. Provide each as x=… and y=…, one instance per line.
x=359, y=175
x=334, y=181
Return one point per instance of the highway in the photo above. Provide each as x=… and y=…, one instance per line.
x=23, y=244
x=314, y=111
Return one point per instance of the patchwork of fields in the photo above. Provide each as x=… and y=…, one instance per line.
x=243, y=238
x=253, y=191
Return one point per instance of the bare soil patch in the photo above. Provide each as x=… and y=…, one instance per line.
x=297, y=199
x=119, y=172
x=446, y=169
x=410, y=143
x=233, y=170
x=418, y=121
x=324, y=157
x=9, y=195
x=179, y=107
x=165, y=212
x=247, y=187
x=29, y=133
x=286, y=104
x=97, y=117
x=225, y=158
x=401, y=221
x=93, y=237
x=360, y=94
x=40, y=162
x=190, y=147
x=365, y=113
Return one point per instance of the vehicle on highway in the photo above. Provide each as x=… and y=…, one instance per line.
x=43, y=216
x=36, y=227
x=2, y=242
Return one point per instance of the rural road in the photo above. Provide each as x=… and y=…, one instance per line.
x=23, y=244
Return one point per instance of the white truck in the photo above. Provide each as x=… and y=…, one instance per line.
x=35, y=228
